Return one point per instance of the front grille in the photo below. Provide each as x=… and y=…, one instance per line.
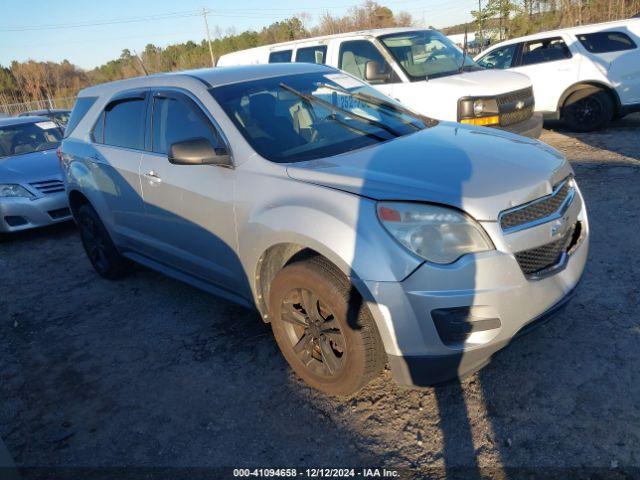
x=49, y=186
x=515, y=107
x=536, y=260
x=538, y=209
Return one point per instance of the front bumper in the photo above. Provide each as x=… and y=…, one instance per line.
x=531, y=128
x=494, y=299
x=17, y=213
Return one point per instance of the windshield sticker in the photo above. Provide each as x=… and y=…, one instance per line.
x=46, y=125
x=345, y=81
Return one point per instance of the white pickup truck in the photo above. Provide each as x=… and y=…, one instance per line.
x=422, y=69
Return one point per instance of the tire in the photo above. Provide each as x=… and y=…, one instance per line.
x=333, y=344
x=588, y=110
x=97, y=243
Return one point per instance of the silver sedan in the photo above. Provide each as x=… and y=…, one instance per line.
x=31, y=187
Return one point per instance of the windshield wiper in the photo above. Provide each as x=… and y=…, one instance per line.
x=378, y=102
x=311, y=99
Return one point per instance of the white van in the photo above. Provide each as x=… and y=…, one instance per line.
x=422, y=69
x=583, y=75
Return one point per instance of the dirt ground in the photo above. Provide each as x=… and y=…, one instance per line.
x=149, y=372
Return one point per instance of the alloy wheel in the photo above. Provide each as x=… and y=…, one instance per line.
x=314, y=332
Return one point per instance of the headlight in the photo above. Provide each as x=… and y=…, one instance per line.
x=9, y=190
x=478, y=111
x=437, y=234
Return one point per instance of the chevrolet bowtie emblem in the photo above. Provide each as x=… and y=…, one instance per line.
x=520, y=105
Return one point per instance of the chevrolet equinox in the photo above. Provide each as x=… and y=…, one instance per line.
x=366, y=234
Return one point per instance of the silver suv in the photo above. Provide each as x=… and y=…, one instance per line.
x=364, y=233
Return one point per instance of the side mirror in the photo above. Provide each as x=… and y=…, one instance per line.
x=198, y=151
x=373, y=72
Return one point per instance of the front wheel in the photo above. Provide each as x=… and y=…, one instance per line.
x=587, y=110
x=324, y=330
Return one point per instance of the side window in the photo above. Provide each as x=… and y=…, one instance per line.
x=98, y=129
x=603, y=42
x=123, y=124
x=542, y=51
x=317, y=54
x=282, y=56
x=354, y=56
x=500, y=58
x=176, y=120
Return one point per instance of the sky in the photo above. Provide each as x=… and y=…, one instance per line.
x=88, y=33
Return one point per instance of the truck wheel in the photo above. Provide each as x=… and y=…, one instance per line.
x=587, y=110
x=324, y=329
x=102, y=253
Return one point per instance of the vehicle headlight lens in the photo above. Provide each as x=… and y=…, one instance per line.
x=478, y=111
x=478, y=107
x=437, y=234
x=10, y=190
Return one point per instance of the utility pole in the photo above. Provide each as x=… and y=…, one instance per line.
x=481, y=26
x=206, y=26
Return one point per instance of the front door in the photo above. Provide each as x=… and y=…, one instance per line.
x=189, y=208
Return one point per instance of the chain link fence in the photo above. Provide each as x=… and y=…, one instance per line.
x=12, y=109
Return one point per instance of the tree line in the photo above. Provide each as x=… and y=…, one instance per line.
x=35, y=81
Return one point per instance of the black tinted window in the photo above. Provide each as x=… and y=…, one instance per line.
x=354, y=56
x=542, y=51
x=80, y=109
x=176, y=120
x=124, y=124
x=316, y=54
x=280, y=57
x=603, y=42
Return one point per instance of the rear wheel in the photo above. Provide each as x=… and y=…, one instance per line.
x=323, y=328
x=588, y=110
x=102, y=252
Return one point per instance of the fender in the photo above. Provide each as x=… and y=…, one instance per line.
x=589, y=85
x=360, y=248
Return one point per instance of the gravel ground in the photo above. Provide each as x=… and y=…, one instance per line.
x=150, y=372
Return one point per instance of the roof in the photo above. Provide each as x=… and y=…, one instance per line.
x=594, y=27
x=211, y=77
x=7, y=121
x=376, y=32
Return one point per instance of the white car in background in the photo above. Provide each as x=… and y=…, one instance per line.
x=422, y=69
x=583, y=75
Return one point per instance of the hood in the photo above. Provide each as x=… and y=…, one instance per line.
x=477, y=169
x=482, y=82
x=30, y=167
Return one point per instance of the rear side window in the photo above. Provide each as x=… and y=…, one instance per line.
x=603, y=42
x=80, y=109
x=124, y=124
x=317, y=54
x=543, y=51
x=176, y=120
x=282, y=56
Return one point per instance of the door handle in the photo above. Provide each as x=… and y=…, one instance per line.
x=152, y=176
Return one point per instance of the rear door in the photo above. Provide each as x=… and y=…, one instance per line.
x=118, y=140
x=189, y=208
x=552, y=68
x=616, y=54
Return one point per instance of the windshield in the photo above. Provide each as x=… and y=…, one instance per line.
x=29, y=137
x=307, y=116
x=426, y=54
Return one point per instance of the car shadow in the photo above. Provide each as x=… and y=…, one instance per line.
x=620, y=137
